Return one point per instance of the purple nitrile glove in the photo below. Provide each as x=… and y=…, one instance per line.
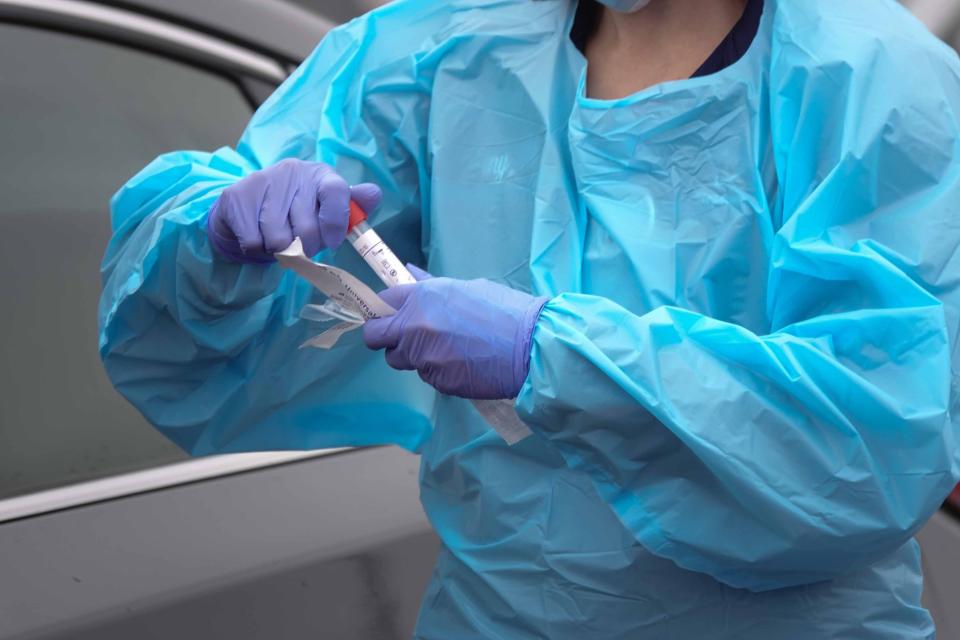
x=467, y=338
x=262, y=213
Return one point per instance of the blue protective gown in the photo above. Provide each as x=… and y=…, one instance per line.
x=743, y=390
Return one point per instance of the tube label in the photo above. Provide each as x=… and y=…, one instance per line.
x=382, y=260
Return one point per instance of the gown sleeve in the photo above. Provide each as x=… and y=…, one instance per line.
x=816, y=447
x=208, y=350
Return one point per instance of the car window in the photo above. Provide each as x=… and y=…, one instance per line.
x=77, y=119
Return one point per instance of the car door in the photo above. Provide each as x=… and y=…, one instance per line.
x=106, y=529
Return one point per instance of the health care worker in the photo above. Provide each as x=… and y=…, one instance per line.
x=710, y=246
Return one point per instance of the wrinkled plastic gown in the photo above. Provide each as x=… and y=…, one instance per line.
x=742, y=391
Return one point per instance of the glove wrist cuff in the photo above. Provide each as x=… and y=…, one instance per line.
x=524, y=342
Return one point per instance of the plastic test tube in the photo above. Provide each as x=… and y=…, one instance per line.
x=374, y=250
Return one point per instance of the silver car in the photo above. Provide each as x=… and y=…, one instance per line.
x=106, y=529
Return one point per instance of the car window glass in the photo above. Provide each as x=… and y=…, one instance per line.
x=78, y=118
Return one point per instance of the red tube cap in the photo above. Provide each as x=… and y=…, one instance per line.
x=357, y=215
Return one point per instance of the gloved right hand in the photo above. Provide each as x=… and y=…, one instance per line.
x=262, y=213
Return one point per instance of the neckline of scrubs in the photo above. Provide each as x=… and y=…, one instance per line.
x=736, y=69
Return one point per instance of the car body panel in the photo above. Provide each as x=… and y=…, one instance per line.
x=940, y=541
x=339, y=540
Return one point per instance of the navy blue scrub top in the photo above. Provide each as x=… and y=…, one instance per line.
x=729, y=51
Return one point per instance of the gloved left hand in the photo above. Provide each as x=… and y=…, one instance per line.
x=263, y=212
x=467, y=338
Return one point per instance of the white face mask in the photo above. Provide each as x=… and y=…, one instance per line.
x=625, y=6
